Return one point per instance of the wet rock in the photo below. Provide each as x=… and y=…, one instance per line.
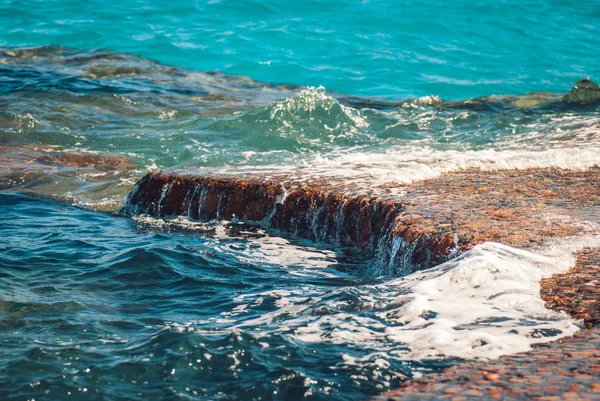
x=102, y=72
x=62, y=176
x=316, y=213
x=436, y=219
x=577, y=291
x=99, y=162
x=25, y=166
x=585, y=91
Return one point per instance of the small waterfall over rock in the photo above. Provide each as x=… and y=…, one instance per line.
x=380, y=229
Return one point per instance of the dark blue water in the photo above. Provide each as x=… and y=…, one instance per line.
x=97, y=306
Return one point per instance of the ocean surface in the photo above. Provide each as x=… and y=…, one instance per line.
x=97, y=306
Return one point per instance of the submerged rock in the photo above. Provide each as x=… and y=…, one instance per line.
x=98, y=162
x=96, y=181
x=585, y=91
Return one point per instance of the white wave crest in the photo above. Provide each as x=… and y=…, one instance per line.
x=407, y=164
x=312, y=107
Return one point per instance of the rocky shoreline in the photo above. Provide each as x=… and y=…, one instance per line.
x=431, y=221
x=407, y=227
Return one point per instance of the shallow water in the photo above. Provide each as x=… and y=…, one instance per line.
x=64, y=100
x=95, y=305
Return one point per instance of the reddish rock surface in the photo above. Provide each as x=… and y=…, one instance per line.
x=310, y=212
x=577, y=291
x=99, y=162
x=434, y=219
x=568, y=369
x=521, y=208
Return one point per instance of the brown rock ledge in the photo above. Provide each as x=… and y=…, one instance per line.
x=432, y=221
x=378, y=227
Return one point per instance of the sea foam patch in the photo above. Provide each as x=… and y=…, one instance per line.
x=408, y=164
x=482, y=304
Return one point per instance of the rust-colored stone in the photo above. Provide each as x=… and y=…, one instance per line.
x=442, y=216
x=571, y=291
x=311, y=212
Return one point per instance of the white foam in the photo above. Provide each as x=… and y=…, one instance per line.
x=313, y=107
x=407, y=164
x=483, y=304
x=262, y=248
x=568, y=141
x=486, y=304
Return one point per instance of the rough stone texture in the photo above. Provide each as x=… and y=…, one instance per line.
x=568, y=369
x=521, y=208
x=577, y=291
x=99, y=162
x=375, y=226
x=434, y=219
x=585, y=91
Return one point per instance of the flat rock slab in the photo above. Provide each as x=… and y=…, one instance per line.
x=378, y=227
x=423, y=224
x=520, y=208
x=568, y=369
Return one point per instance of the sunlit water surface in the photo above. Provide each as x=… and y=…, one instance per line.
x=98, y=306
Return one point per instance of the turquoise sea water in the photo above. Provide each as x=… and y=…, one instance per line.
x=97, y=306
x=454, y=49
